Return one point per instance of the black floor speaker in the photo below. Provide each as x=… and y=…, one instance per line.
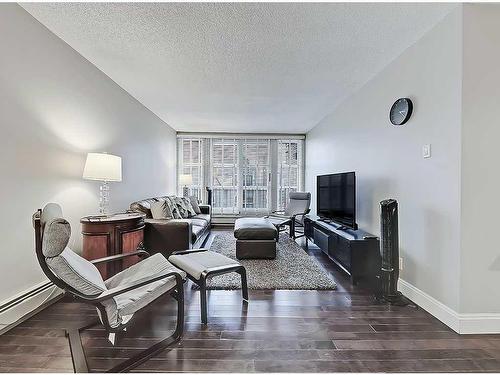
x=389, y=274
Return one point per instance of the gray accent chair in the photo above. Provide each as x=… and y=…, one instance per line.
x=293, y=215
x=118, y=298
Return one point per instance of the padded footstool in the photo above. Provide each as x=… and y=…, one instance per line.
x=255, y=238
x=200, y=264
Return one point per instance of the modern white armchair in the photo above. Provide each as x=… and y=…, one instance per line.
x=118, y=298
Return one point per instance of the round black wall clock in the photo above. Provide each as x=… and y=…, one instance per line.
x=401, y=111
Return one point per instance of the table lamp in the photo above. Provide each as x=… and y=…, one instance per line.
x=105, y=168
x=185, y=180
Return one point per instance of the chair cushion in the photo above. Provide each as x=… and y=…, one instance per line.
x=56, y=236
x=205, y=217
x=122, y=306
x=299, y=203
x=195, y=263
x=77, y=272
x=254, y=228
x=194, y=204
x=50, y=212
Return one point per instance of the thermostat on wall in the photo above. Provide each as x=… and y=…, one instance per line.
x=426, y=151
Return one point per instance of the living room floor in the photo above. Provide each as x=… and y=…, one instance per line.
x=278, y=331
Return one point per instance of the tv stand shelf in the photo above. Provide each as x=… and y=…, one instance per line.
x=356, y=252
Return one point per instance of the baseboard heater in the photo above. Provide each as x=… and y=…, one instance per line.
x=16, y=301
x=23, y=297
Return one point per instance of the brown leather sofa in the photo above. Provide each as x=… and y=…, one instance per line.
x=167, y=236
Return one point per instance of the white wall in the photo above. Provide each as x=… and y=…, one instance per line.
x=480, y=269
x=388, y=161
x=54, y=108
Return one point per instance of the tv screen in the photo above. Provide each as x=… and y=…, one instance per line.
x=336, y=198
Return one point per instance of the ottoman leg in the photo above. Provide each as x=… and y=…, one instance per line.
x=203, y=299
x=244, y=287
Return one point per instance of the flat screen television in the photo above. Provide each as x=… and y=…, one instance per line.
x=336, y=198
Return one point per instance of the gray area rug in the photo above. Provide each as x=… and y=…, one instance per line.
x=292, y=268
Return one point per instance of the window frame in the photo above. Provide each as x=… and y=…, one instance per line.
x=272, y=187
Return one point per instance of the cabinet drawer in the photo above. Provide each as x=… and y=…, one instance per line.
x=321, y=240
x=340, y=249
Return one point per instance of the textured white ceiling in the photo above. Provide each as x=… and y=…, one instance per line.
x=240, y=67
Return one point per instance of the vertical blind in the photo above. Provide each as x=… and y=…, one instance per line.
x=289, y=169
x=256, y=175
x=190, y=152
x=223, y=170
x=247, y=175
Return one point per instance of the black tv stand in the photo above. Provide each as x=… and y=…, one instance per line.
x=333, y=223
x=354, y=251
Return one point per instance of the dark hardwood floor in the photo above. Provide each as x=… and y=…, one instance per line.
x=278, y=331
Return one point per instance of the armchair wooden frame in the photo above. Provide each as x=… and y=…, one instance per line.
x=202, y=281
x=73, y=334
x=291, y=221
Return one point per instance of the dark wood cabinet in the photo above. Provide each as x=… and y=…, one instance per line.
x=111, y=235
x=356, y=252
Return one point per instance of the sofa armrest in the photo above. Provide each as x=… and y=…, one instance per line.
x=206, y=209
x=167, y=236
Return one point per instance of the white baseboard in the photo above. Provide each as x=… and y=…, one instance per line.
x=479, y=323
x=460, y=323
x=26, y=303
x=439, y=310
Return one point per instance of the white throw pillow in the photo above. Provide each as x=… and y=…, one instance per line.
x=161, y=210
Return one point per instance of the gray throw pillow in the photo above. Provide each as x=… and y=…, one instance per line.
x=194, y=204
x=161, y=210
x=188, y=206
x=181, y=206
x=172, y=204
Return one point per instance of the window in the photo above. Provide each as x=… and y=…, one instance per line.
x=289, y=170
x=190, y=159
x=223, y=169
x=256, y=175
x=248, y=175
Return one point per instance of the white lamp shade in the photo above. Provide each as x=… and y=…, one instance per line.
x=103, y=167
x=185, y=179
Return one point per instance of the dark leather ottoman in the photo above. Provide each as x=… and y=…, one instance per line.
x=255, y=238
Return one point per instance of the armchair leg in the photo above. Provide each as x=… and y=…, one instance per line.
x=78, y=355
x=162, y=345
